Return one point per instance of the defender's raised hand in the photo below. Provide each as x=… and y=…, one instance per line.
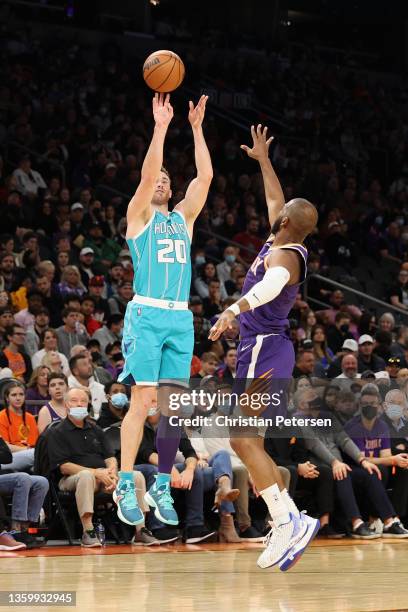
x=162, y=110
x=260, y=145
x=196, y=113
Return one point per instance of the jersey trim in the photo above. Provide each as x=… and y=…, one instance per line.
x=176, y=210
x=292, y=246
x=148, y=224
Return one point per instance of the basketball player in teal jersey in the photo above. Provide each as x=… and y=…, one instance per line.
x=158, y=332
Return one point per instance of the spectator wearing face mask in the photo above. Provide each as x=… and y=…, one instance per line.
x=371, y=434
x=224, y=268
x=395, y=417
x=115, y=360
x=116, y=406
x=79, y=453
x=339, y=332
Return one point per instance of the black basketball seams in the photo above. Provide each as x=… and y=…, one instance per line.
x=159, y=66
x=167, y=77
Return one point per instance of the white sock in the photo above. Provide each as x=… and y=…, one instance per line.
x=276, y=505
x=290, y=504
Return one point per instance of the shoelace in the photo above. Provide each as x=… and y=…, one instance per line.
x=166, y=500
x=275, y=529
x=129, y=496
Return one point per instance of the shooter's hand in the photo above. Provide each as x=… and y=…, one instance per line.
x=162, y=110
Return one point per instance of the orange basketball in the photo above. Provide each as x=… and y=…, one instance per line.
x=163, y=71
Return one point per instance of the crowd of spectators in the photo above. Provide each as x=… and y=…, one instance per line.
x=73, y=133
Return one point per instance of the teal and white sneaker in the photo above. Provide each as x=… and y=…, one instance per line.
x=125, y=497
x=159, y=498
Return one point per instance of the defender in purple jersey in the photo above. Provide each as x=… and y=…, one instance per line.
x=265, y=349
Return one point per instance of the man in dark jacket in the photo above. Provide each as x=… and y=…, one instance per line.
x=367, y=359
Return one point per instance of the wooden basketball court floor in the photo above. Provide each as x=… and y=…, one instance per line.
x=332, y=576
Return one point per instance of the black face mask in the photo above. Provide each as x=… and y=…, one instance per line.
x=344, y=328
x=95, y=355
x=315, y=404
x=369, y=412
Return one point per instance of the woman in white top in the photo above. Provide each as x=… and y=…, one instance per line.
x=50, y=343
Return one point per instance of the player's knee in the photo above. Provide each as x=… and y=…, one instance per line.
x=242, y=446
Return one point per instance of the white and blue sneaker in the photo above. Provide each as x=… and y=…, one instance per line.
x=124, y=496
x=282, y=539
x=296, y=551
x=159, y=498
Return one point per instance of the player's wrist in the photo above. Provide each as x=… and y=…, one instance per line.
x=234, y=309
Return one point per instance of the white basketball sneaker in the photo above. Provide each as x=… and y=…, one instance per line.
x=280, y=540
x=296, y=551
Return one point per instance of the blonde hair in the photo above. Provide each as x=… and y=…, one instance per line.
x=66, y=271
x=46, y=360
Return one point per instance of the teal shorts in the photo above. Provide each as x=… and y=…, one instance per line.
x=157, y=345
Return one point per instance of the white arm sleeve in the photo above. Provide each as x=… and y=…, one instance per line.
x=268, y=288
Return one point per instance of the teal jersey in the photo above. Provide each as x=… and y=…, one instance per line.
x=161, y=258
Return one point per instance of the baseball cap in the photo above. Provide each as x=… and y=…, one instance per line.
x=367, y=374
x=350, y=345
x=77, y=206
x=365, y=338
x=87, y=251
x=306, y=344
x=394, y=361
x=97, y=281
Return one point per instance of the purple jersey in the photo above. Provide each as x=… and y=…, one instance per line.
x=371, y=442
x=271, y=318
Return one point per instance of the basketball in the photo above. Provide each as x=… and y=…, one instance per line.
x=163, y=71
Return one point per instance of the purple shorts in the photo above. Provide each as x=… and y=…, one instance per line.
x=264, y=352
x=256, y=356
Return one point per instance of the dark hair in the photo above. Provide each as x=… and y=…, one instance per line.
x=6, y=309
x=6, y=393
x=88, y=298
x=109, y=347
x=71, y=298
x=93, y=342
x=9, y=330
x=329, y=389
x=34, y=292
x=57, y=376
x=114, y=320
x=110, y=384
x=4, y=255
x=74, y=360
x=28, y=235
x=67, y=311
x=6, y=237
x=341, y=314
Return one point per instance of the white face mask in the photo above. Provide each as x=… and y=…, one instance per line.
x=78, y=412
x=394, y=411
x=152, y=412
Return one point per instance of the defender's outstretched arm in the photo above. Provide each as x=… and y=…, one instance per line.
x=275, y=199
